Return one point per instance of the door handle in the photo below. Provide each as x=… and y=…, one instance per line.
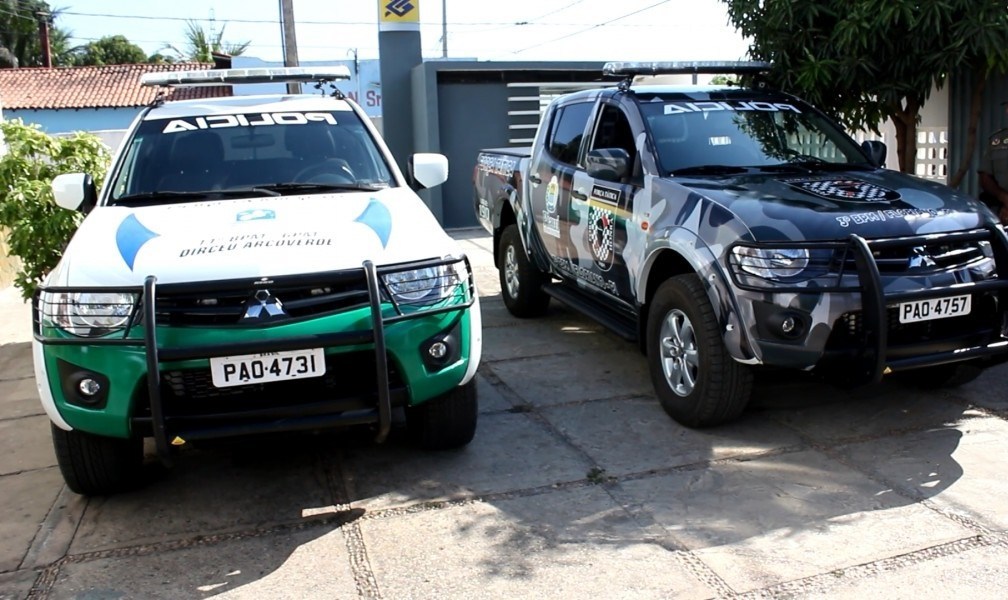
x=535, y=179
x=579, y=194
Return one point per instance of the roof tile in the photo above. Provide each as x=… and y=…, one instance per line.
x=110, y=86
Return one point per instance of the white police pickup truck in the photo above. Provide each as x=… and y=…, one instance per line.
x=730, y=229
x=252, y=264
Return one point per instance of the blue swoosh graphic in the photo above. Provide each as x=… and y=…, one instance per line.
x=377, y=216
x=130, y=237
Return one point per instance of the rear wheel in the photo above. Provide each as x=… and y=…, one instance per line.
x=94, y=465
x=445, y=422
x=696, y=380
x=521, y=282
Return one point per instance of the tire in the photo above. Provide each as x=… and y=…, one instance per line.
x=697, y=382
x=94, y=465
x=445, y=422
x=521, y=282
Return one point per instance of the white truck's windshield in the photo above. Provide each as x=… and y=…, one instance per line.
x=266, y=152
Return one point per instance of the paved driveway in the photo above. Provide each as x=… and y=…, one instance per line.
x=576, y=485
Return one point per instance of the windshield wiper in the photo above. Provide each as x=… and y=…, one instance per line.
x=150, y=197
x=710, y=170
x=318, y=187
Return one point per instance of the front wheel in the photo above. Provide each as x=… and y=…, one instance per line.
x=521, y=282
x=445, y=422
x=94, y=465
x=697, y=382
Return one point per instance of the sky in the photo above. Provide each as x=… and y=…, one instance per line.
x=512, y=30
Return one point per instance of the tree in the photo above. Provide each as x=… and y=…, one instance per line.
x=202, y=43
x=111, y=50
x=19, y=30
x=37, y=228
x=868, y=60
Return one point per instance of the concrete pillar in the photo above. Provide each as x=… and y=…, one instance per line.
x=398, y=52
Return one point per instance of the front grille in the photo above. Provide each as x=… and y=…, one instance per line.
x=921, y=259
x=227, y=307
x=348, y=376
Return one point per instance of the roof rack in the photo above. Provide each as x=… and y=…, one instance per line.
x=256, y=75
x=628, y=70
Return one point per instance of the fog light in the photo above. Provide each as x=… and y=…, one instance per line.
x=89, y=387
x=788, y=324
x=438, y=350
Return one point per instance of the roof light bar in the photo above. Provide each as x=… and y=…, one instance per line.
x=708, y=67
x=258, y=75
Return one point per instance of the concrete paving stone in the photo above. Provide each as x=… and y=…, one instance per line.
x=211, y=490
x=15, y=320
x=312, y=563
x=560, y=332
x=826, y=413
x=16, y=360
x=768, y=520
x=490, y=399
x=959, y=468
x=25, y=444
x=978, y=574
x=570, y=544
x=19, y=398
x=509, y=452
x=989, y=390
x=27, y=498
x=549, y=380
x=17, y=585
x=635, y=435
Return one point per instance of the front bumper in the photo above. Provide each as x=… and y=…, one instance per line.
x=846, y=323
x=155, y=372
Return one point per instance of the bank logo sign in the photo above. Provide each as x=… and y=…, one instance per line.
x=399, y=15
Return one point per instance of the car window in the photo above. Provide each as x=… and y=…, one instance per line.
x=568, y=130
x=240, y=151
x=743, y=133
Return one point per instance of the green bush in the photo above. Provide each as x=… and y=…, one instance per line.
x=37, y=229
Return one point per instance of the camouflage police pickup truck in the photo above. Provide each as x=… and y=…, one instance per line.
x=729, y=229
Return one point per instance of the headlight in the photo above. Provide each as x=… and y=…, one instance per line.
x=89, y=314
x=426, y=285
x=772, y=263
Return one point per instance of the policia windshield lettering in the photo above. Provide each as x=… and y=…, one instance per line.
x=675, y=108
x=248, y=120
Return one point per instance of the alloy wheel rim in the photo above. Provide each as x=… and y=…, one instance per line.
x=511, y=272
x=680, y=358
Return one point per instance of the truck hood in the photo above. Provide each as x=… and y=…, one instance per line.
x=832, y=205
x=255, y=237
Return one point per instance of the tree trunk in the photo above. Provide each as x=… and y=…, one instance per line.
x=976, y=105
x=905, y=121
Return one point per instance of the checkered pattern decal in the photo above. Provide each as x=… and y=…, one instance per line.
x=844, y=189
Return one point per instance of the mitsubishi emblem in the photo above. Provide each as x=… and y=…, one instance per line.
x=920, y=259
x=263, y=306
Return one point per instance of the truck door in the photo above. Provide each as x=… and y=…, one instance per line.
x=601, y=202
x=551, y=175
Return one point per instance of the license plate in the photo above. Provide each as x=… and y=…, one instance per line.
x=228, y=371
x=935, y=308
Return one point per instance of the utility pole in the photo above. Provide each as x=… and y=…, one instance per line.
x=289, y=40
x=44, y=19
x=444, y=28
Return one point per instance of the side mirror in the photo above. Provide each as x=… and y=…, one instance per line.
x=876, y=152
x=75, y=191
x=610, y=164
x=427, y=169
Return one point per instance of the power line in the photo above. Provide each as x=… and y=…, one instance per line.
x=596, y=26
